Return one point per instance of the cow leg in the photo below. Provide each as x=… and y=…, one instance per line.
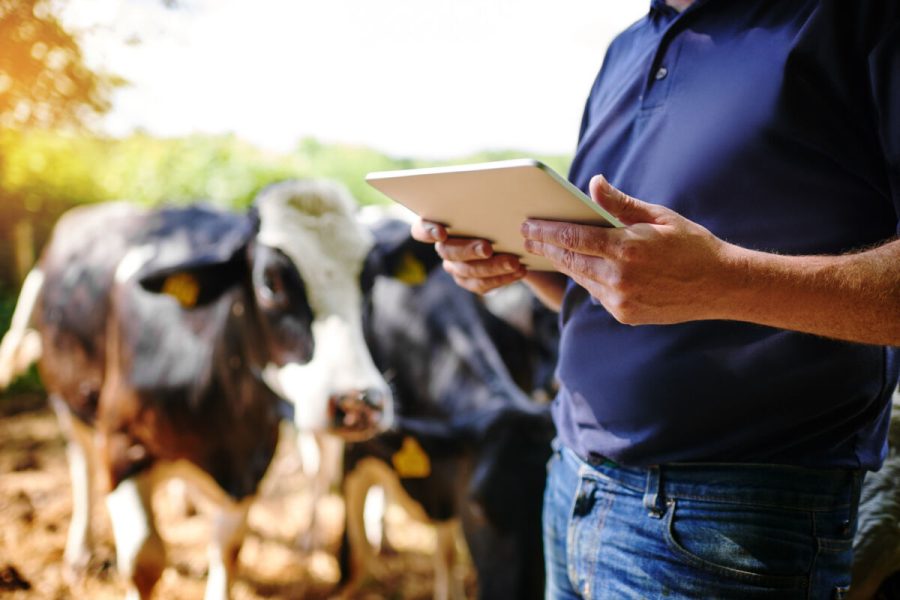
x=79, y=452
x=229, y=529
x=448, y=584
x=321, y=457
x=363, y=559
x=373, y=516
x=140, y=553
x=179, y=498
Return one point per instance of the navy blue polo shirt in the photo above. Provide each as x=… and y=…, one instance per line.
x=776, y=125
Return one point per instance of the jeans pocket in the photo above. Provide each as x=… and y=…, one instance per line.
x=753, y=545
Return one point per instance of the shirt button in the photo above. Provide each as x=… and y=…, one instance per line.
x=661, y=73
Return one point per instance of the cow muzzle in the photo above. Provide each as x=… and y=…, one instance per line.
x=356, y=416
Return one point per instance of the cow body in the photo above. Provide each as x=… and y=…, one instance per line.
x=469, y=448
x=159, y=330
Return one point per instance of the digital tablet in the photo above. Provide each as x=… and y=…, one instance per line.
x=491, y=200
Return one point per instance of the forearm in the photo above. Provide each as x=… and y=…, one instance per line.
x=854, y=297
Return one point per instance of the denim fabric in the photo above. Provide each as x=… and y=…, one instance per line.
x=697, y=531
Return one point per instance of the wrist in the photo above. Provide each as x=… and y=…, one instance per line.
x=736, y=281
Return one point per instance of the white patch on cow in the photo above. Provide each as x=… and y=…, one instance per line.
x=340, y=364
x=132, y=262
x=130, y=521
x=313, y=223
x=229, y=528
x=310, y=455
x=514, y=304
x=79, y=452
x=21, y=345
x=373, y=515
x=140, y=553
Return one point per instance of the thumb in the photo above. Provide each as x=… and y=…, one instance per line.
x=629, y=210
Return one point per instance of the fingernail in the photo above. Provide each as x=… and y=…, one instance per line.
x=433, y=231
x=481, y=249
x=525, y=229
x=530, y=246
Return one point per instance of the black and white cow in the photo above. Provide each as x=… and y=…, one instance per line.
x=156, y=330
x=469, y=447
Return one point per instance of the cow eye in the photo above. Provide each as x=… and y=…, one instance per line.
x=272, y=284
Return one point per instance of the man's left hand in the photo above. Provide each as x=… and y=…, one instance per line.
x=659, y=268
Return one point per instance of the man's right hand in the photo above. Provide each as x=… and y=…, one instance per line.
x=471, y=262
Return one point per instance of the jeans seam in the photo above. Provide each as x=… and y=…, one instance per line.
x=815, y=559
x=571, y=571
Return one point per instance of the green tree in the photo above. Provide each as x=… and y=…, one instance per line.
x=44, y=80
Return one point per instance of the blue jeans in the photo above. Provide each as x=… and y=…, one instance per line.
x=697, y=531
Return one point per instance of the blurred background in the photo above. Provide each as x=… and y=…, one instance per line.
x=174, y=101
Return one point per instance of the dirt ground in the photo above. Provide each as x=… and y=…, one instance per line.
x=35, y=507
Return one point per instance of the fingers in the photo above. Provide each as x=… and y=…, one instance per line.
x=573, y=264
x=482, y=276
x=629, y=210
x=496, y=266
x=428, y=231
x=584, y=239
x=483, y=285
x=464, y=249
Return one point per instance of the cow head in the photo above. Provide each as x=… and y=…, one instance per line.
x=207, y=252
x=313, y=223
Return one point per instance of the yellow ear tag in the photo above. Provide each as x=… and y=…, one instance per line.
x=183, y=287
x=410, y=270
x=410, y=461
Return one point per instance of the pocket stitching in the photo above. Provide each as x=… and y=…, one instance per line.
x=781, y=581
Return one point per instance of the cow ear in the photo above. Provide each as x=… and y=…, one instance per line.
x=397, y=255
x=197, y=253
x=197, y=285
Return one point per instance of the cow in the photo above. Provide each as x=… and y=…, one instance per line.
x=469, y=447
x=162, y=338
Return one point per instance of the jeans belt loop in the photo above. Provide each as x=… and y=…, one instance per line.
x=651, y=493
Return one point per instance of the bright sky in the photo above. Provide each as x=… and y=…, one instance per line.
x=418, y=78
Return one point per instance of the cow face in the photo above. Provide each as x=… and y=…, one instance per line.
x=285, y=317
x=339, y=389
x=197, y=254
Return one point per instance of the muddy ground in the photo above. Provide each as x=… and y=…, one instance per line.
x=35, y=507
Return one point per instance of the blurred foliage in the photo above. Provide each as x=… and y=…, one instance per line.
x=43, y=173
x=44, y=80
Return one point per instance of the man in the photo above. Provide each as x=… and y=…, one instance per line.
x=725, y=360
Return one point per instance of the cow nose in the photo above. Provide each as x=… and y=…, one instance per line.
x=355, y=415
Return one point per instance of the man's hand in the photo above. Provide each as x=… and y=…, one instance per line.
x=663, y=268
x=471, y=262
x=659, y=268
